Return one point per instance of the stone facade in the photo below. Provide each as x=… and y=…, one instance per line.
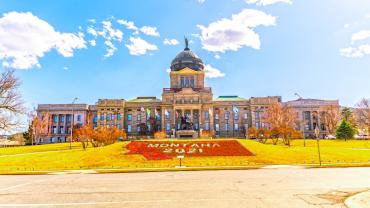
x=186, y=105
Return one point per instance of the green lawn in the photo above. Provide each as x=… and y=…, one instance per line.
x=37, y=148
x=55, y=157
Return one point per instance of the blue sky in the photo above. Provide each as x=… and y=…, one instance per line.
x=318, y=49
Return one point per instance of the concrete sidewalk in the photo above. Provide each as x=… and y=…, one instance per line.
x=360, y=200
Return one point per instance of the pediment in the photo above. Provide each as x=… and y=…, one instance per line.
x=187, y=70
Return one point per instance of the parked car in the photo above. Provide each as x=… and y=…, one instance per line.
x=330, y=137
x=362, y=137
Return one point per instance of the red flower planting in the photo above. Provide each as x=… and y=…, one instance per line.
x=153, y=150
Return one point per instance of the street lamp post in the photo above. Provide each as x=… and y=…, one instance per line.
x=317, y=134
x=70, y=140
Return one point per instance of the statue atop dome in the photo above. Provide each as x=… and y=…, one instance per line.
x=186, y=43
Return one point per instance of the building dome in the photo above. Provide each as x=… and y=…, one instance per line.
x=187, y=58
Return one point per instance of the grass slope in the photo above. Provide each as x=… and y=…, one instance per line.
x=55, y=157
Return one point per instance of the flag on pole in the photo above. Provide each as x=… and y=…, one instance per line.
x=156, y=113
x=235, y=109
x=148, y=112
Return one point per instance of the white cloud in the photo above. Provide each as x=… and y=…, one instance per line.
x=66, y=68
x=168, y=70
x=201, y=1
x=148, y=30
x=93, y=21
x=128, y=24
x=268, y=2
x=91, y=30
x=92, y=42
x=232, y=34
x=110, y=48
x=217, y=56
x=361, y=35
x=24, y=38
x=355, y=52
x=109, y=33
x=139, y=46
x=170, y=42
x=212, y=72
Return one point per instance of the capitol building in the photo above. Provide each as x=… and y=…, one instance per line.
x=187, y=107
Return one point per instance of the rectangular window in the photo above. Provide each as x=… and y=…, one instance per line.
x=78, y=117
x=217, y=126
x=236, y=116
x=129, y=128
x=226, y=115
x=129, y=117
x=257, y=115
x=206, y=114
x=192, y=83
x=226, y=127
x=109, y=117
x=95, y=119
x=168, y=116
x=69, y=118
x=54, y=129
x=245, y=115
x=55, y=118
x=206, y=126
x=113, y=115
x=182, y=82
x=196, y=126
x=138, y=129
x=118, y=116
x=138, y=117
x=168, y=127
x=61, y=130
x=158, y=117
x=246, y=126
x=216, y=116
x=62, y=119
x=149, y=127
x=257, y=125
x=186, y=82
x=118, y=126
x=236, y=127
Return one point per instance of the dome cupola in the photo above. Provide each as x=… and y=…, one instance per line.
x=187, y=58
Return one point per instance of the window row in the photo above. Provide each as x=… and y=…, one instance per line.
x=55, y=118
x=110, y=117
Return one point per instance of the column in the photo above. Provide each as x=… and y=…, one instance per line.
x=163, y=118
x=174, y=118
x=191, y=115
x=318, y=120
x=311, y=121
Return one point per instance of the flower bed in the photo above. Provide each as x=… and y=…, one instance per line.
x=160, y=150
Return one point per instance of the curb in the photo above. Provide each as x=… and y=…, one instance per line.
x=360, y=200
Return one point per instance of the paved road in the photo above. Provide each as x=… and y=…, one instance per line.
x=285, y=187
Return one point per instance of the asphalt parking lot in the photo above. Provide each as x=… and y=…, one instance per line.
x=276, y=187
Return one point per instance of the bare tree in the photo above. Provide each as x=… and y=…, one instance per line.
x=331, y=117
x=11, y=104
x=282, y=120
x=362, y=115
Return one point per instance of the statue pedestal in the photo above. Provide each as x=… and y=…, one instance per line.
x=186, y=134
